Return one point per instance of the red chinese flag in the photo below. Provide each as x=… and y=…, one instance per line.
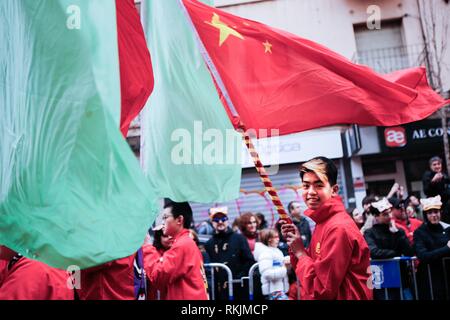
x=136, y=74
x=276, y=80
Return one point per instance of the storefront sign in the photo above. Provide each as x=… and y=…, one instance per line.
x=418, y=136
x=296, y=147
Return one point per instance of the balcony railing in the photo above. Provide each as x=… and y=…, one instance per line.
x=388, y=60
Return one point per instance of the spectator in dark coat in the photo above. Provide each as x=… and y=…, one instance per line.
x=387, y=241
x=303, y=223
x=432, y=244
x=436, y=182
x=232, y=249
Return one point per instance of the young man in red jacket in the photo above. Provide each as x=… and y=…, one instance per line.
x=179, y=272
x=336, y=264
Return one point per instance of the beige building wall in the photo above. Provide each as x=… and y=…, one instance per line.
x=330, y=22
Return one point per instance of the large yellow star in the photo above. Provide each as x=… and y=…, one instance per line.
x=267, y=47
x=225, y=31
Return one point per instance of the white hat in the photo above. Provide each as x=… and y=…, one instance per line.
x=381, y=205
x=431, y=203
x=214, y=211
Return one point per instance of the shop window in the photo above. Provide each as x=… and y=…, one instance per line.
x=379, y=188
x=371, y=168
x=382, y=49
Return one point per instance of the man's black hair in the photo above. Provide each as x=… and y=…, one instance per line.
x=397, y=203
x=369, y=199
x=330, y=169
x=180, y=209
x=374, y=211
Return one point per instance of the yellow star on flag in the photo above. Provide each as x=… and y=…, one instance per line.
x=267, y=47
x=225, y=30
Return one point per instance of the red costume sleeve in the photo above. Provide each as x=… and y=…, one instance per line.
x=3, y=267
x=172, y=265
x=32, y=280
x=151, y=257
x=321, y=279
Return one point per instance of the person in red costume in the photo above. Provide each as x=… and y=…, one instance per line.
x=109, y=281
x=179, y=272
x=336, y=264
x=25, y=279
x=3, y=269
x=401, y=219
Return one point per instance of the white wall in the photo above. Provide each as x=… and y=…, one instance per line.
x=327, y=22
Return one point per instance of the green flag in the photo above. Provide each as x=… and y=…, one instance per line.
x=190, y=151
x=71, y=190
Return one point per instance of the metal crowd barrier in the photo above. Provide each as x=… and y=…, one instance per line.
x=430, y=278
x=411, y=263
x=250, y=281
x=386, y=274
x=230, y=279
x=444, y=264
x=251, y=284
x=379, y=278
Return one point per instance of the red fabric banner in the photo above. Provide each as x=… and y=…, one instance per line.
x=136, y=73
x=277, y=80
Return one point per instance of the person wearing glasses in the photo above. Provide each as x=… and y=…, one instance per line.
x=231, y=249
x=179, y=272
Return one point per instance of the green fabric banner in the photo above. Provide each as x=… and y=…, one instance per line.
x=190, y=151
x=71, y=190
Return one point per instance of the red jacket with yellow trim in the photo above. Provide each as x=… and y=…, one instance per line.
x=336, y=264
x=180, y=271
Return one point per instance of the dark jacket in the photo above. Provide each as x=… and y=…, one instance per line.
x=383, y=244
x=437, y=188
x=305, y=230
x=232, y=249
x=430, y=242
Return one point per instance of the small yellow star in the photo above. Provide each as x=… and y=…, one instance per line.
x=225, y=30
x=267, y=47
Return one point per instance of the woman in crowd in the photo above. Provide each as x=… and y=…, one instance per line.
x=248, y=226
x=261, y=220
x=357, y=216
x=432, y=244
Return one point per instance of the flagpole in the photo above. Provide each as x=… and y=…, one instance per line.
x=142, y=145
x=263, y=175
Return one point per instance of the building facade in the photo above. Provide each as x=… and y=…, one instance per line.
x=387, y=35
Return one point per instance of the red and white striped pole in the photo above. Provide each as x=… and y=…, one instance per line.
x=264, y=176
